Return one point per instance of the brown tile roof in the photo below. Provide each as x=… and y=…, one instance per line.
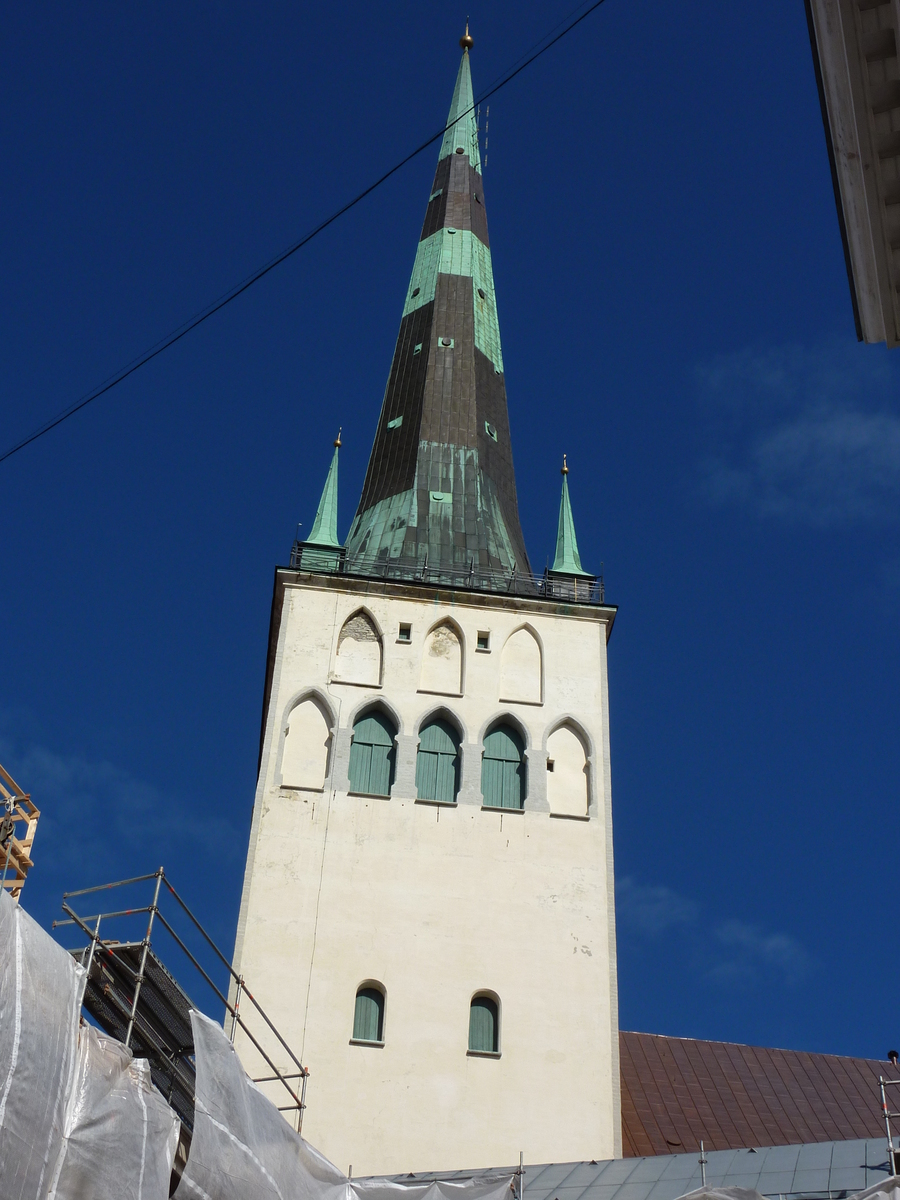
x=677, y=1091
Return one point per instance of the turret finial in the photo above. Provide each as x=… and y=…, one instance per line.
x=467, y=41
x=337, y=440
x=565, y=467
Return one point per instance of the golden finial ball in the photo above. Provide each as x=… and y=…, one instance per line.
x=467, y=41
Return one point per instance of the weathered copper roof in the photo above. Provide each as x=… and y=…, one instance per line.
x=677, y=1091
x=440, y=489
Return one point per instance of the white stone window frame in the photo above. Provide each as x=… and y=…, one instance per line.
x=321, y=698
x=569, y=720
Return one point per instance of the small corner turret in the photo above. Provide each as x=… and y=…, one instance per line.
x=323, y=549
x=567, y=577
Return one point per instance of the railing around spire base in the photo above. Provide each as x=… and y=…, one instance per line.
x=552, y=585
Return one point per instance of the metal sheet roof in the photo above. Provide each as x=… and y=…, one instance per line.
x=818, y=1171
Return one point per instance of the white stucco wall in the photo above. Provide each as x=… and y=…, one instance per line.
x=436, y=903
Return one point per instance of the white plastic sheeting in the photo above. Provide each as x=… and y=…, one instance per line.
x=887, y=1189
x=120, y=1135
x=243, y=1149
x=722, y=1193
x=40, y=1002
x=477, y=1188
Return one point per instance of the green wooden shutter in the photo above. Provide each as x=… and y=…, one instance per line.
x=503, y=769
x=372, y=755
x=483, y=1025
x=368, y=1017
x=437, y=763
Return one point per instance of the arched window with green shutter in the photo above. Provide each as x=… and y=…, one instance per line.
x=484, y=1026
x=368, y=1016
x=372, y=754
x=437, y=762
x=503, y=768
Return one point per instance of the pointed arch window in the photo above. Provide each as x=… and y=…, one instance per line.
x=437, y=762
x=372, y=754
x=503, y=768
x=484, y=1026
x=368, y=1015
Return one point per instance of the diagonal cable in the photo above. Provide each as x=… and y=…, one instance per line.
x=238, y=289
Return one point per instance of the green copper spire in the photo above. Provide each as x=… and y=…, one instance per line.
x=463, y=128
x=568, y=560
x=325, y=526
x=440, y=490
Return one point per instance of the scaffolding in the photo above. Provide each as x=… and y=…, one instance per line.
x=18, y=824
x=134, y=998
x=893, y=1154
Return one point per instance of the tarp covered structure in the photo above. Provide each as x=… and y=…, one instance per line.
x=722, y=1193
x=79, y=1118
x=40, y=1005
x=888, y=1189
x=243, y=1149
x=120, y=1135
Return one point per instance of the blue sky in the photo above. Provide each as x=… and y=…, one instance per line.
x=675, y=317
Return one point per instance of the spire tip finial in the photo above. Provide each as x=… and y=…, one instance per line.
x=467, y=41
x=565, y=467
x=337, y=440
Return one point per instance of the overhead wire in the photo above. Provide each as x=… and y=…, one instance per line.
x=238, y=289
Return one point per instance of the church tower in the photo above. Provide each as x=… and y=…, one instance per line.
x=427, y=912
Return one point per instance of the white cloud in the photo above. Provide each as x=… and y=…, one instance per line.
x=728, y=953
x=651, y=910
x=752, y=954
x=806, y=435
x=98, y=820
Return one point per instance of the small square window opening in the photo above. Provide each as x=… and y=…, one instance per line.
x=405, y=634
x=550, y=764
x=490, y=431
x=484, y=640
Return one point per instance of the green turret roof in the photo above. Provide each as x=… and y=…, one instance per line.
x=567, y=560
x=325, y=526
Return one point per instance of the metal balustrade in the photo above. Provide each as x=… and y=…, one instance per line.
x=577, y=589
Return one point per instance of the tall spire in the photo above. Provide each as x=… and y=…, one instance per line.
x=325, y=527
x=567, y=560
x=440, y=486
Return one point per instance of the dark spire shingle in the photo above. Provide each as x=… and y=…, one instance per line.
x=440, y=482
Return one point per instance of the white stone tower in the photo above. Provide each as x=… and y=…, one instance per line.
x=427, y=910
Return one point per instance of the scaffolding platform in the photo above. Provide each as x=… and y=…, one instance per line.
x=135, y=998
x=161, y=1032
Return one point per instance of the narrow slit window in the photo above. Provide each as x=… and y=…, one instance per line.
x=484, y=1026
x=368, y=1015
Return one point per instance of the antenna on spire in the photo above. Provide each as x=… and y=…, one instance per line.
x=467, y=41
x=337, y=440
x=565, y=467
